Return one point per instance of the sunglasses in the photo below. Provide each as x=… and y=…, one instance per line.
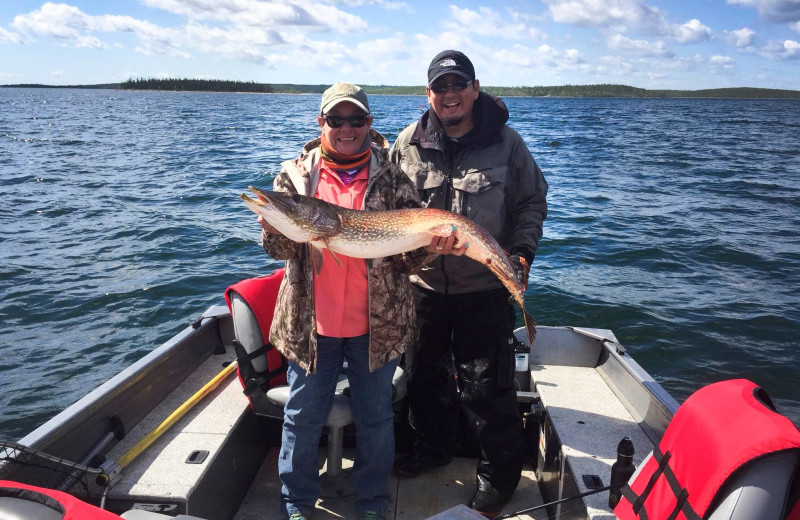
x=457, y=86
x=356, y=121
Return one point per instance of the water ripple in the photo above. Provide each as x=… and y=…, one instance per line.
x=675, y=223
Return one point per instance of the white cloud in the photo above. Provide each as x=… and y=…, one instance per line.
x=721, y=62
x=487, y=22
x=614, y=66
x=742, y=38
x=389, y=52
x=60, y=21
x=6, y=36
x=336, y=20
x=429, y=46
x=543, y=56
x=390, y=6
x=692, y=32
x=621, y=43
x=779, y=11
x=71, y=24
x=376, y=41
x=254, y=32
x=791, y=49
x=619, y=14
x=785, y=50
x=623, y=16
x=272, y=14
x=89, y=42
x=266, y=13
x=244, y=43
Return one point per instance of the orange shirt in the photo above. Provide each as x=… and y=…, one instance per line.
x=341, y=300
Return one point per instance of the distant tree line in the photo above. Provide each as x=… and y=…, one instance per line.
x=205, y=85
x=732, y=93
x=595, y=91
x=624, y=91
x=569, y=91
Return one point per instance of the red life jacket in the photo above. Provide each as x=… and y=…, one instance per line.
x=795, y=514
x=718, y=429
x=43, y=503
x=261, y=295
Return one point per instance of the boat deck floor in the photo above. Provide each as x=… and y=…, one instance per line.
x=590, y=420
x=160, y=473
x=412, y=499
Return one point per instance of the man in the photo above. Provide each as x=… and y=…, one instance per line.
x=464, y=158
x=356, y=310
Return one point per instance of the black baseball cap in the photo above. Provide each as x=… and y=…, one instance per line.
x=450, y=62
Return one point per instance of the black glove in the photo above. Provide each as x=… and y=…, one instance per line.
x=521, y=269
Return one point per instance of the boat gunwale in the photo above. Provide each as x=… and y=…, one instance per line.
x=75, y=430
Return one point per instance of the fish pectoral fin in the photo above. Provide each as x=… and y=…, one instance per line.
x=316, y=258
x=328, y=247
x=441, y=230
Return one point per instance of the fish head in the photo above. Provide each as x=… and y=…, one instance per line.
x=298, y=217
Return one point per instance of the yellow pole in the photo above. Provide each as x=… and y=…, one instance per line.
x=148, y=439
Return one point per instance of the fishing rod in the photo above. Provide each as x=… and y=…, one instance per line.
x=13, y=454
x=148, y=439
x=553, y=503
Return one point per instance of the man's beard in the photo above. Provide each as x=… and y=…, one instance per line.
x=452, y=121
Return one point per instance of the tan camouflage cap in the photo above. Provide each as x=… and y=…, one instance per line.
x=340, y=92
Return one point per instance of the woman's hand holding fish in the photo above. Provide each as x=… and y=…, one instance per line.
x=446, y=246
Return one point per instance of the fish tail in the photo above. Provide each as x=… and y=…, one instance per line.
x=530, y=325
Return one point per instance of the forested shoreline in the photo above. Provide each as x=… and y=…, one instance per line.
x=596, y=91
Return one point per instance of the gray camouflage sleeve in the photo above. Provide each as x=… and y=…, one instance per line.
x=527, y=201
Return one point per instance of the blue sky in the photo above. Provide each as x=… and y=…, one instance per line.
x=681, y=44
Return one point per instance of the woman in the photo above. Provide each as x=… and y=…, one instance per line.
x=360, y=311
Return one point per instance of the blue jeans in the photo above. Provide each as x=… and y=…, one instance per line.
x=310, y=401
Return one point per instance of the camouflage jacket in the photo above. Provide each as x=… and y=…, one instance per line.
x=392, y=321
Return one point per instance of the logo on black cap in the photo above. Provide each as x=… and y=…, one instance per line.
x=450, y=62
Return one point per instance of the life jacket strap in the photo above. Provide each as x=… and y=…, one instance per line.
x=662, y=459
x=682, y=504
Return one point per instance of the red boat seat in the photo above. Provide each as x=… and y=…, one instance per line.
x=252, y=304
x=726, y=455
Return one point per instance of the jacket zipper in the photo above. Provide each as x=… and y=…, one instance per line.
x=450, y=161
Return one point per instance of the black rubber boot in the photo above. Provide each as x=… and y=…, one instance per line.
x=489, y=503
x=418, y=462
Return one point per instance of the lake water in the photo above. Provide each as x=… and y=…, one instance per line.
x=675, y=223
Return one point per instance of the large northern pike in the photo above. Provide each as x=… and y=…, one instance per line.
x=377, y=234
